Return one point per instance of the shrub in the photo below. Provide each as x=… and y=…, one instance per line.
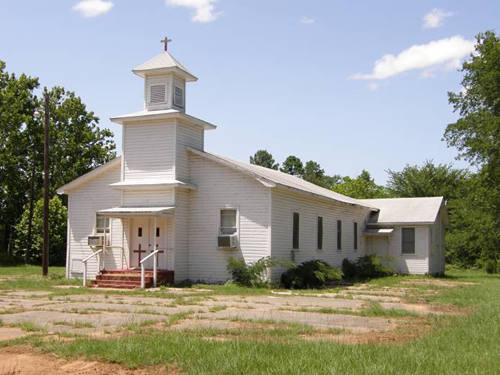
x=491, y=266
x=310, y=274
x=10, y=260
x=366, y=267
x=348, y=269
x=253, y=274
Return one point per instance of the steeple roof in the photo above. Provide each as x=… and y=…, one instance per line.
x=164, y=63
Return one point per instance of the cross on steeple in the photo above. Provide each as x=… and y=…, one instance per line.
x=165, y=42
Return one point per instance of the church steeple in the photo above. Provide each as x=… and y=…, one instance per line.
x=164, y=81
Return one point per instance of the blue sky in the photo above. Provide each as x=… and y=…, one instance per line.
x=293, y=77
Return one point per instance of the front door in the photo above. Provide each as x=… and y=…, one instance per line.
x=141, y=244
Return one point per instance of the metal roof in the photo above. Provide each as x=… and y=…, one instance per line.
x=135, y=211
x=378, y=231
x=162, y=114
x=420, y=210
x=282, y=179
x=164, y=62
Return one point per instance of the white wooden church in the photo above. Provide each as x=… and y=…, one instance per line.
x=173, y=207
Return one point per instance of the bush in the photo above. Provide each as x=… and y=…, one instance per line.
x=366, y=267
x=310, y=274
x=252, y=275
x=491, y=266
x=10, y=260
x=348, y=269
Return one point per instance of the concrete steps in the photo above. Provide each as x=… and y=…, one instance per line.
x=130, y=279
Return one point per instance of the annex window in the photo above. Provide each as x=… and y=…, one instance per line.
x=178, y=97
x=157, y=94
x=295, y=241
x=228, y=221
x=355, y=229
x=320, y=232
x=408, y=240
x=339, y=234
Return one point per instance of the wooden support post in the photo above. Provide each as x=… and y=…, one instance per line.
x=45, y=250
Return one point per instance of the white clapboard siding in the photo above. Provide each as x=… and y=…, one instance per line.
x=181, y=235
x=83, y=203
x=417, y=263
x=187, y=136
x=147, y=198
x=285, y=203
x=222, y=187
x=437, y=247
x=149, y=151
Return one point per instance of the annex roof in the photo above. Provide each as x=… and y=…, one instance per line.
x=421, y=210
x=160, y=115
x=163, y=63
x=272, y=178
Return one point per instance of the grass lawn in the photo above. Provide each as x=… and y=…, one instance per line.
x=457, y=344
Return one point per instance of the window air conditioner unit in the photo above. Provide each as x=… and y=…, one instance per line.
x=227, y=240
x=96, y=240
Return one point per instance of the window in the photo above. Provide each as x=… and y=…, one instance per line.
x=139, y=232
x=355, y=229
x=320, y=232
x=228, y=221
x=339, y=234
x=157, y=232
x=102, y=226
x=178, y=97
x=157, y=94
x=408, y=240
x=295, y=241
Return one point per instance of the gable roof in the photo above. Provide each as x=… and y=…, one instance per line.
x=90, y=175
x=272, y=178
x=162, y=63
x=421, y=210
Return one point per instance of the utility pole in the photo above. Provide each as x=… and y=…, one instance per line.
x=45, y=251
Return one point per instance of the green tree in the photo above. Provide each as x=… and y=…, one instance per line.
x=57, y=233
x=17, y=106
x=293, y=165
x=363, y=186
x=264, y=159
x=428, y=180
x=314, y=173
x=476, y=134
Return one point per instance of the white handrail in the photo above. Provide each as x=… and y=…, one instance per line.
x=154, y=254
x=85, y=264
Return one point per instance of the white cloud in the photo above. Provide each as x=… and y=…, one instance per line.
x=307, y=20
x=204, y=10
x=443, y=54
x=435, y=18
x=93, y=8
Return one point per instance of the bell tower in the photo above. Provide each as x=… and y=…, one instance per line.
x=164, y=81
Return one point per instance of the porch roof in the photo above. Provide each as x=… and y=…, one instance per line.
x=378, y=231
x=136, y=211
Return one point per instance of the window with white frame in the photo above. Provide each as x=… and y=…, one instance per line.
x=103, y=226
x=178, y=97
x=228, y=221
x=408, y=240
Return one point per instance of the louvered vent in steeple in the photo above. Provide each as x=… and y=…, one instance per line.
x=157, y=94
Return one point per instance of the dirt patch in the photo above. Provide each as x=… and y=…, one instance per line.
x=11, y=333
x=23, y=360
x=440, y=283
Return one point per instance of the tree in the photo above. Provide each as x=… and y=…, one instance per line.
x=264, y=159
x=363, y=186
x=314, y=173
x=476, y=134
x=293, y=165
x=428, y=180
x=17, y=106
x=57, y=239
